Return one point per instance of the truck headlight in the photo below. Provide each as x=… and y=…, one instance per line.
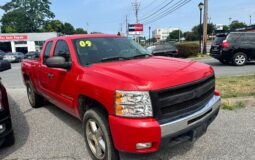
x=134, y=104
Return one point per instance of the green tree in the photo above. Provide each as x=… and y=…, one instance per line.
x=174, y=35
x=80, y=31
x=16, y=21
x=236, y=24
x=53, y=26
x=36, y=11
x=197, y=30
x=68, y=29
x=225, y=28
x=189, y=36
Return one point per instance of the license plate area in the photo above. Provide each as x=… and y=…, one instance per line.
x=198, y=131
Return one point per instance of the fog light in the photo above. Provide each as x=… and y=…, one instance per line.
x=2, y=128
x=143, y=145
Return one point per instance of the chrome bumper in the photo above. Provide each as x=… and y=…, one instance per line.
x=176, y=126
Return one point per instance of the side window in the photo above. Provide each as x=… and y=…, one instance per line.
x=47, y=51
x=62, y=49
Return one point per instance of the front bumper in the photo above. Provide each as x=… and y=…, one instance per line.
x=172, y=128
x=126, y=133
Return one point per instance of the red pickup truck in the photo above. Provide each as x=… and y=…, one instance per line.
x=128, y=100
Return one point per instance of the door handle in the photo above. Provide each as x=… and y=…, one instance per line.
x=51, y=75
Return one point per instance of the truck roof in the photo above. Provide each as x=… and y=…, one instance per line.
x=78, y=36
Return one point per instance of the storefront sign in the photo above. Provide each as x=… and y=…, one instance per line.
x=11, y=38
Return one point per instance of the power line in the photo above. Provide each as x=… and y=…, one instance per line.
x=168, y=10
x=147, y=6
x=157, y=10
x=175, y=7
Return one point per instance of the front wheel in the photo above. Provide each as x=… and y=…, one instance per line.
x=97, y=136
x=240, y=59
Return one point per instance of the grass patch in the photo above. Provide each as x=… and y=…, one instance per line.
x=231, y=106
x=239, y=86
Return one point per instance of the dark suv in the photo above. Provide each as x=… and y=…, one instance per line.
x=236, y=47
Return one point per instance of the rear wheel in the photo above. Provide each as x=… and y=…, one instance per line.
x=35, y=100
x=240, y=59
x=97, y=136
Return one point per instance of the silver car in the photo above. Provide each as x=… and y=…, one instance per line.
x=14, y=57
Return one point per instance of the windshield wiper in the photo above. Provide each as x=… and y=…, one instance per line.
x=141, y=56
x=117, y=58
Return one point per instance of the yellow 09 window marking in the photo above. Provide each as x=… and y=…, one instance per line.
x=85, y=43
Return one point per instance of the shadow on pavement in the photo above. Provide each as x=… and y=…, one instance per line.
x=68, y=119
x=20, y=127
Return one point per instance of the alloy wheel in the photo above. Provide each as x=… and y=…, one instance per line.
x=95, y=138
x=240, y=59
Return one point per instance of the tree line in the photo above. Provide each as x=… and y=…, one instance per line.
x=194, y=34
x=33, y=16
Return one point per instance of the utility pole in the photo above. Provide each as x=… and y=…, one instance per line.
x=250, y=20
x=205, y=26
x=126, y=25
x=230, y=20
x=136, y=4
x=149, y=35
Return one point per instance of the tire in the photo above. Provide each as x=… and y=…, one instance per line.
x=223, y=61
x=34, y=99
x=9, y=140
x=239, y=59
x=97, y=136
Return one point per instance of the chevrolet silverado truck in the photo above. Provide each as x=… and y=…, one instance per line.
x=128, y=100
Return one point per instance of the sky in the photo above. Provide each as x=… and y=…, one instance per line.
x=108, y=16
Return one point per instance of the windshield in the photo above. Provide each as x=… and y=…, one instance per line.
x=95, y=50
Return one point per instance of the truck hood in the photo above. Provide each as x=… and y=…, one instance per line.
x=152, y=73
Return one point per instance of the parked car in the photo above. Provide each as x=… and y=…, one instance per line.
x=237, y=48
x=14, y=57
x=6, y=132
x=127, y=99
x=167, y=49
x=32, y=55
x=2, y=53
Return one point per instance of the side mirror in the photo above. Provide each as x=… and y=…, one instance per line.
x=58, y=62
x=4, y=65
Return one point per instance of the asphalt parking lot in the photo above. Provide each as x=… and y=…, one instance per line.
x=50, y=133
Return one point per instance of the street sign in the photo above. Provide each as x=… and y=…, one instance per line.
x=135, y=29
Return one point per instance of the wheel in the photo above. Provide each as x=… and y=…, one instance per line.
x=239, y=59
x=223, y=61
x=97, y=136
x=9, y=140
x=35, y=100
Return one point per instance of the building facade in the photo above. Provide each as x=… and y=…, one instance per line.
x=24, y=42
x=161, y=34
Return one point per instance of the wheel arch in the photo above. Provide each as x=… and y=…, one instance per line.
x=85, y=103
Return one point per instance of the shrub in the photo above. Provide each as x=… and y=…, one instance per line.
x=188, y=49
